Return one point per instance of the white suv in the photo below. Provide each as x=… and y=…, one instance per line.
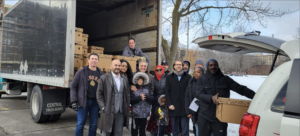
x=275, y=109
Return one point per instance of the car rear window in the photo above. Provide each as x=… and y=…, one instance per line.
x=279, y=102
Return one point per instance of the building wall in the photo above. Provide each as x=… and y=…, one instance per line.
x=259, y=70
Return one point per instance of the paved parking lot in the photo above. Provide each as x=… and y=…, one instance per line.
x=15, y=120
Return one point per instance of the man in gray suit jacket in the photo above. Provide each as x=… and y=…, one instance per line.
x=113, y=97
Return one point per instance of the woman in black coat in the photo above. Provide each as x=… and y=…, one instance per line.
x=159, y=82
x=126, y=70
x=190, y=90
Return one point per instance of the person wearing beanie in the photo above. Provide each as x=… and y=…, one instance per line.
x=186, y=66
x=199, y=63
x=141, y=102
x=211, y=85
x=165, y=65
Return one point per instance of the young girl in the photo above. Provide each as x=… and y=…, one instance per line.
x=161, y=114
x=140, y=101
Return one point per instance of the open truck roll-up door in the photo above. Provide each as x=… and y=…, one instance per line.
x=242, y=43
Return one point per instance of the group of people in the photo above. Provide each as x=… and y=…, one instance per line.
x=165, y=97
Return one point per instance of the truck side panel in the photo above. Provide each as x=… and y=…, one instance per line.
x=34, y=42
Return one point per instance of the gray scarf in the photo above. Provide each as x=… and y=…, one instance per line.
x=179, y=74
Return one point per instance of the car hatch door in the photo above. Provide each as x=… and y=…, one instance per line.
x=240, y=43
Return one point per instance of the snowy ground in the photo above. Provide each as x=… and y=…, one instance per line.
x=252, y=82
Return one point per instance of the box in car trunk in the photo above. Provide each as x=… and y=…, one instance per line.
x=130, y=60
x=95, y=49
x=231, y=110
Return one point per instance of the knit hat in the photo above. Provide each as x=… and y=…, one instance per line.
x=210, y=61
x=200, y=61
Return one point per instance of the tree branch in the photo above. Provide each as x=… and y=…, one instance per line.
x=211, y=7
x=167, y=19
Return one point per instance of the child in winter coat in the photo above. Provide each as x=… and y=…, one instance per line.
x=161, y=114
x=141, y=101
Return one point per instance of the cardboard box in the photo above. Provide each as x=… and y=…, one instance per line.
x=85, y=39
x=78, y=35
x=95, y=49
x=131, y=60
x=104, y=60
x=78, y=61
x=231, y=110
x=77, y=29
x=84, y=49
x=78, y=49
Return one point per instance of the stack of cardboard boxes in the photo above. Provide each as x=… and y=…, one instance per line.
x=104, y=60
x=130, y=60
x=82, y=52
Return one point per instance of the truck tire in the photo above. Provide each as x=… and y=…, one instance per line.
x=54, y=117
x=0, y=95
x=36, y=105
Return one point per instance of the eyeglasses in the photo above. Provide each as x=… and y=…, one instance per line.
x=158, y=70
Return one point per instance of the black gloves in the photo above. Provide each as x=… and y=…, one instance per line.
x=75, y=106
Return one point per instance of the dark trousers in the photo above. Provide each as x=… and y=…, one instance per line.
x=206, y=127
x=140, y=127
x=184, y=125
x=91, y=109
x=161, y=130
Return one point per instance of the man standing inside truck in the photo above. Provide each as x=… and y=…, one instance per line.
x=113, y=97
x=211, y=85
x=131, y=50
x=83, y=95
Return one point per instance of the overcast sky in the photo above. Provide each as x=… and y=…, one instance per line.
x=283, y=28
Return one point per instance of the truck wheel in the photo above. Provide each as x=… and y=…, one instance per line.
x=36, y=105
x=0, y=95
x=54, y=117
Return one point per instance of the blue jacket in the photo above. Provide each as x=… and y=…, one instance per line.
x=79, y=86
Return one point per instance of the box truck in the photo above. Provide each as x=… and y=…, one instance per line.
x=38, y=44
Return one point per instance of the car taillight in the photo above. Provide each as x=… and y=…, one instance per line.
x=249, y=125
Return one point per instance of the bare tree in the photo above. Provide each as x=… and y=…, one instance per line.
x=234, y=12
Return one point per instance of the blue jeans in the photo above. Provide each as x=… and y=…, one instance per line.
x=92, y=109
x=184, y=125
x=196, y=126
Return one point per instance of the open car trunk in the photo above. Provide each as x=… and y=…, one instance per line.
x=110, y=23
x=242, y=43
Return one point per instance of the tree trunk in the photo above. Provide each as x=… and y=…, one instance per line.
x=174, y=43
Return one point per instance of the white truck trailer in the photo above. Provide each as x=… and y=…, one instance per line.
x=39, y=40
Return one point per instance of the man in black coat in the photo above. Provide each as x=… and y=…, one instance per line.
x=211, y=85
x=175, y=88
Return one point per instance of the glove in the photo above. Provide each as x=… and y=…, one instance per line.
x=75, y=106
